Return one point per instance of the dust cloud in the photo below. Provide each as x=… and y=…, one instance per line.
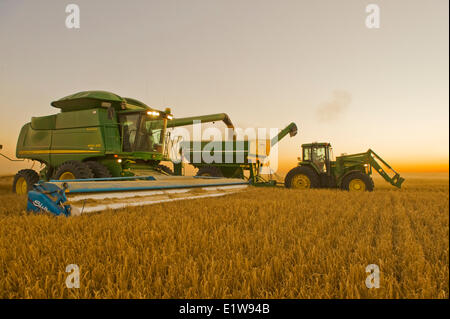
x=330, y=110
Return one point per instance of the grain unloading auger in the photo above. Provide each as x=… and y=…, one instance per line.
x=105, y=151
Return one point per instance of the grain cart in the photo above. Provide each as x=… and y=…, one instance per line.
x=348, y=172
x=101, y=142
x=232, y=158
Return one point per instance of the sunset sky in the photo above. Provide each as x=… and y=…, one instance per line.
x=264, y=63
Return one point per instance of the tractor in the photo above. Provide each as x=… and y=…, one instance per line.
x=316, y=169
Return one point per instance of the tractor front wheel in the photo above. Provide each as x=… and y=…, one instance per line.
x=302, y=177
x=357, y=182
x=210, y=171
x=73, y=170
x=24, y=181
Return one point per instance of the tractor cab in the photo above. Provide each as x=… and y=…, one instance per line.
x=319, y=155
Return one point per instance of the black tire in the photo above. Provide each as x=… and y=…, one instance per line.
x=78, y=169
x=165, y=169
x=98, y=169
x=314, y=181
x=27, y=176
x=366, y=179
x=209, y=171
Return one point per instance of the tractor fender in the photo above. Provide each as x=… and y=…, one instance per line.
x=341, y=178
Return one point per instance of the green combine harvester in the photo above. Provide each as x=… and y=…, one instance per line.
x=348, y=172
x=98, y=134
x=105, y=147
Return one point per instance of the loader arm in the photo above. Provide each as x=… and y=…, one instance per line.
x=373, y=159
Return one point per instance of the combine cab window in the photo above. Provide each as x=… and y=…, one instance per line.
x=129, y=124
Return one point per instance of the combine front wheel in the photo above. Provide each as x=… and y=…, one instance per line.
x=357, y=182
x=24, y=181
x=98, y=169
x=301, y=178
x=73, y=170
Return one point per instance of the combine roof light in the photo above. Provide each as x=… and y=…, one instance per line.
x=153, y=113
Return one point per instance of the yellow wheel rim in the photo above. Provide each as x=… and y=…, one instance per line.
x=357, y=185
x=67, y=175
x=21, y=186
x=300, y=181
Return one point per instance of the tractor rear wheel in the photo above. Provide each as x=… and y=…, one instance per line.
x=357, y=182
x=302, y=177
x=210, y=171
x=98, y=169
x=24, y=181
x=73, y=170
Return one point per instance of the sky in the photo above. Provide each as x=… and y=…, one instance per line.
x=264, y=63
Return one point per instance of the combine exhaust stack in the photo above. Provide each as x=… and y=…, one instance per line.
x=76, y=197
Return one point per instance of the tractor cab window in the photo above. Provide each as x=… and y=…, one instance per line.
x=307, y=154
x=319, y=157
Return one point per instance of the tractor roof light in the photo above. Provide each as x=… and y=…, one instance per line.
x=169, y=116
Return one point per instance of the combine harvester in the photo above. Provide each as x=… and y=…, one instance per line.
x=103, y=151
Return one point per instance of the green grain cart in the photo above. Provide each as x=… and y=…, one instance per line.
x=233, y=158
x=349, y=172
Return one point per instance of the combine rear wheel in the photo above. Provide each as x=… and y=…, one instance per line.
x=209, y=171
x=357, y=182
x=24, y=181
x=98, y=169
x=301, y=177
x=73, y=170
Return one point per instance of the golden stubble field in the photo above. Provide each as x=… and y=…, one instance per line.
x=262, y=243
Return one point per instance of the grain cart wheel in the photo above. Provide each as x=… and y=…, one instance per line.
x=24, y=181
x=209, y=171
x=73, y=170
x=165, y=169
x=301, y=177
x=357, y=182
x=98, y=169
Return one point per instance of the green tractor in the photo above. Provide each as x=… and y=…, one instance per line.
x=99, y=134
x=352, y=172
